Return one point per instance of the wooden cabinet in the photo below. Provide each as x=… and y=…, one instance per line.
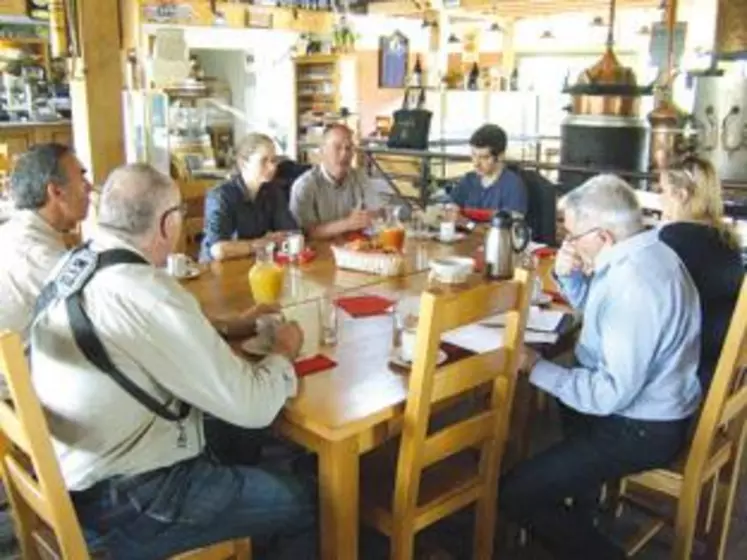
x=18, y=138
x=12, y=7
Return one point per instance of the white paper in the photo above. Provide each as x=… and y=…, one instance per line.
x=543, y=320
x=307, y=315
x=481, y=339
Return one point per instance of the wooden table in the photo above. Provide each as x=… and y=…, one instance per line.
x=356, y=406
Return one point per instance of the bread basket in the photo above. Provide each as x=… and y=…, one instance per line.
x=381, y=264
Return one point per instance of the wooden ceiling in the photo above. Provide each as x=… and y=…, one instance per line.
x=505, y=9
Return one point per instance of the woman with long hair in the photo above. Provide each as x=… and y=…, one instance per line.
x=247, y=207
x=693, y=210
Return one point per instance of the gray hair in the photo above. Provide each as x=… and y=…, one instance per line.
x=608, y=202
x=33, y=171
x=132, y=199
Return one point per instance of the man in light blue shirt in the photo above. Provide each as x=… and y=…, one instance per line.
x=627, y=401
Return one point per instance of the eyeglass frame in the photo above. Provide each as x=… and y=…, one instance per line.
x=181, y=208
x=576, y=237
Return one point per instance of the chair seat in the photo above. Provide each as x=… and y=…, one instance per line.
x=239, y=549
x=669, y=481
x=439, y=486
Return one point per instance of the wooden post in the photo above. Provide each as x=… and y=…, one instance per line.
x=96, y=89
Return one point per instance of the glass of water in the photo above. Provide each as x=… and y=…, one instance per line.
x=328, y=320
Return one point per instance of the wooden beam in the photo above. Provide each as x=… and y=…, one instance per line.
x=96, y=89
x=510, y=8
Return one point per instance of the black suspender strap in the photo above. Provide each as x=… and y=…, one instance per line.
x=80, y=266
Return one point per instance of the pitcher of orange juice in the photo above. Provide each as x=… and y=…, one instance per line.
x=265, y=277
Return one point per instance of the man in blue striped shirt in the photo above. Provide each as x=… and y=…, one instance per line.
x=627, y=402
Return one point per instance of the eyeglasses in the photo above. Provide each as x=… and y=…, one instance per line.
x=574, y=238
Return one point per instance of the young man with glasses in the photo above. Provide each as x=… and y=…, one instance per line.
x=628, y=400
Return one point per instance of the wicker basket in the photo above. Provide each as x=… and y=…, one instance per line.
x=382, y=264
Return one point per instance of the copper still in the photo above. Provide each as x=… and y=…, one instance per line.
x=608, y=87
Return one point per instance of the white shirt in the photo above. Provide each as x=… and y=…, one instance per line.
x=29, y=250
x=156, y=334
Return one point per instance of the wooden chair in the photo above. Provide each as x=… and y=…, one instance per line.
x=46, y=523
x=712, y=463
x=193, y=195
x=443, y=471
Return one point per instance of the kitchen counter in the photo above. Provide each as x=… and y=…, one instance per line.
x=29, y=124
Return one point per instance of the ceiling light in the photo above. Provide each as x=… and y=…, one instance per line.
x=644, y=30
x=598, y=21
x=547, y=34
x=495, y=27
x=453, y=39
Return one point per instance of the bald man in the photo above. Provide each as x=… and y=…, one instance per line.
x=142, y=484
x=332, y=198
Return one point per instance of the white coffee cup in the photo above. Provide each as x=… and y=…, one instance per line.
x=447, y=231
x=177, y=264
x=407, y=344
x=293, y=245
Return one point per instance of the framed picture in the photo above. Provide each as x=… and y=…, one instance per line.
x=393, y=58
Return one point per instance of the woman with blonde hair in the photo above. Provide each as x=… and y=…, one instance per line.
x=247, y=207
x=695, y=229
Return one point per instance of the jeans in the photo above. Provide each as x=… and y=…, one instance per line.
x=199, y=502
x=595, y=450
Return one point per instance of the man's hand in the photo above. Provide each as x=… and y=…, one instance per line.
x=358, y=219
x=277, y=236
x=568, y=260
x=288, y=340
x=529, y=358
x=250, y=315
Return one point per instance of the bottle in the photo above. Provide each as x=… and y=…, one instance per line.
x=514, y=84
x=474, y=76
x=417, y=73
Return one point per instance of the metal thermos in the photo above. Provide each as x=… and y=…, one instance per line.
x=506, y=237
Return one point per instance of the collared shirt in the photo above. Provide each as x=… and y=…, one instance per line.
x=639, y=345
x=507, y=192
x=231, y=214
x=157, y=336
x=29, y=250
x=317, y=199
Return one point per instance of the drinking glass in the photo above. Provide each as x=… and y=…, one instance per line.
x=328, y=320
x=404, y=317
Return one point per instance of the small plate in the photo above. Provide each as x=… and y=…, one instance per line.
x=396, y=359
x=192, y=272
x=255, y=347
x=542, y=299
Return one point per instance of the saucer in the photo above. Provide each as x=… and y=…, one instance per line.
x=396, y=359
x=192, y=272
x=256, y=347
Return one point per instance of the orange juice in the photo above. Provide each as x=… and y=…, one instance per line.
x=266, y=281
x=392, y=237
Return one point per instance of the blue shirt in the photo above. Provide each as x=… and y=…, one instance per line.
x=639, y=345
x=506, y=193
x=231, y=214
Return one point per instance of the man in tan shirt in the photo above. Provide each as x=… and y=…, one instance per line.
x=332, y=198
x=143, y=486
x=50, y=195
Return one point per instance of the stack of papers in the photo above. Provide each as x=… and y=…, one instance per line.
x=542, y=325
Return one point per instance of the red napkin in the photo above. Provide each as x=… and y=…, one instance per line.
x=314, y=364
x=557, y=297
x=307, y=255
x=365, y=306
x=478, y=214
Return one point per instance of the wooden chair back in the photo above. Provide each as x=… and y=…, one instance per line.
x=46, y=523
x=720, y=433
x=30, y=470
x=483, y=431
x=193, y=195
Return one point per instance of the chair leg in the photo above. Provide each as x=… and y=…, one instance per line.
x=402, y=542
x=243, y=549
x=724, y=494
x=484, y=537
x=686, y=522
